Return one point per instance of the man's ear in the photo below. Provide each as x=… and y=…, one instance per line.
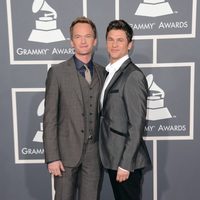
x=72, y=44
x=95, y=42
x=130, y=45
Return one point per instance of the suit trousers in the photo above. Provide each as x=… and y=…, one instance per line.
x=84, y=180
x=129, y=189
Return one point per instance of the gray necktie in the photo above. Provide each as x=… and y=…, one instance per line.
x=87, y=74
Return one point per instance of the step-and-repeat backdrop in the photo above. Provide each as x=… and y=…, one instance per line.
x=34, y=35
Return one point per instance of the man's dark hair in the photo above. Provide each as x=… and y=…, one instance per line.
x=83, y=20
x=120, y=25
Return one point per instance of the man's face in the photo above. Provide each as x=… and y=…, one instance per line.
x=83, y=39
x=117, y=45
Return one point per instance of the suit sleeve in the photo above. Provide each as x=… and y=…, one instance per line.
x=50, y=138
x=135, y=100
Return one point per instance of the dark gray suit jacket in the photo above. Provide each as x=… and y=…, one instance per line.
x=123, y=120
x=63, y=117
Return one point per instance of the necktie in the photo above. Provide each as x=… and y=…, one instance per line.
x=87, y=74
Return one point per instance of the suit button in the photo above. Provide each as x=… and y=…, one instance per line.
x=90, y=137
x=82, y=131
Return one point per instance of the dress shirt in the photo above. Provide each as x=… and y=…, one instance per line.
x=80, y=66
x=111, y=69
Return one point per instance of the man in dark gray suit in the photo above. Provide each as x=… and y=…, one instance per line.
x=71, y=118
x=123, y=112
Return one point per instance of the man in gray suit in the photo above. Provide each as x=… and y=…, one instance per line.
x=71, y=118
x=123, y=112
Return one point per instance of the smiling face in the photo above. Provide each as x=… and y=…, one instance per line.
x=117, y=44
x=83, y=40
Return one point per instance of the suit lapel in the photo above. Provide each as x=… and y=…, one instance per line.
x=73, y=78
x=99, y=74
x=115, y=78
x=101, y=78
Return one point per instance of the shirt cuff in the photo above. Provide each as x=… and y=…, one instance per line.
x=123, y=169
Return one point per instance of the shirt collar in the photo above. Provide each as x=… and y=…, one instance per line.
x=79, y=64
x=116, y=65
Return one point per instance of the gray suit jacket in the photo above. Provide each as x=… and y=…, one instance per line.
x=63, y=117
x=123, y=120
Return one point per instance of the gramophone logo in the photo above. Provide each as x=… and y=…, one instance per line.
x=154, y=8
x=155, y=102
x=39, y=133
x=46, y=26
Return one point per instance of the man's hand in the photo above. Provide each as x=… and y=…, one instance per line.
x=56, y=168
x=122, y=175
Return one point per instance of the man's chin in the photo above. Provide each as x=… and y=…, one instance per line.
x=85, y=53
